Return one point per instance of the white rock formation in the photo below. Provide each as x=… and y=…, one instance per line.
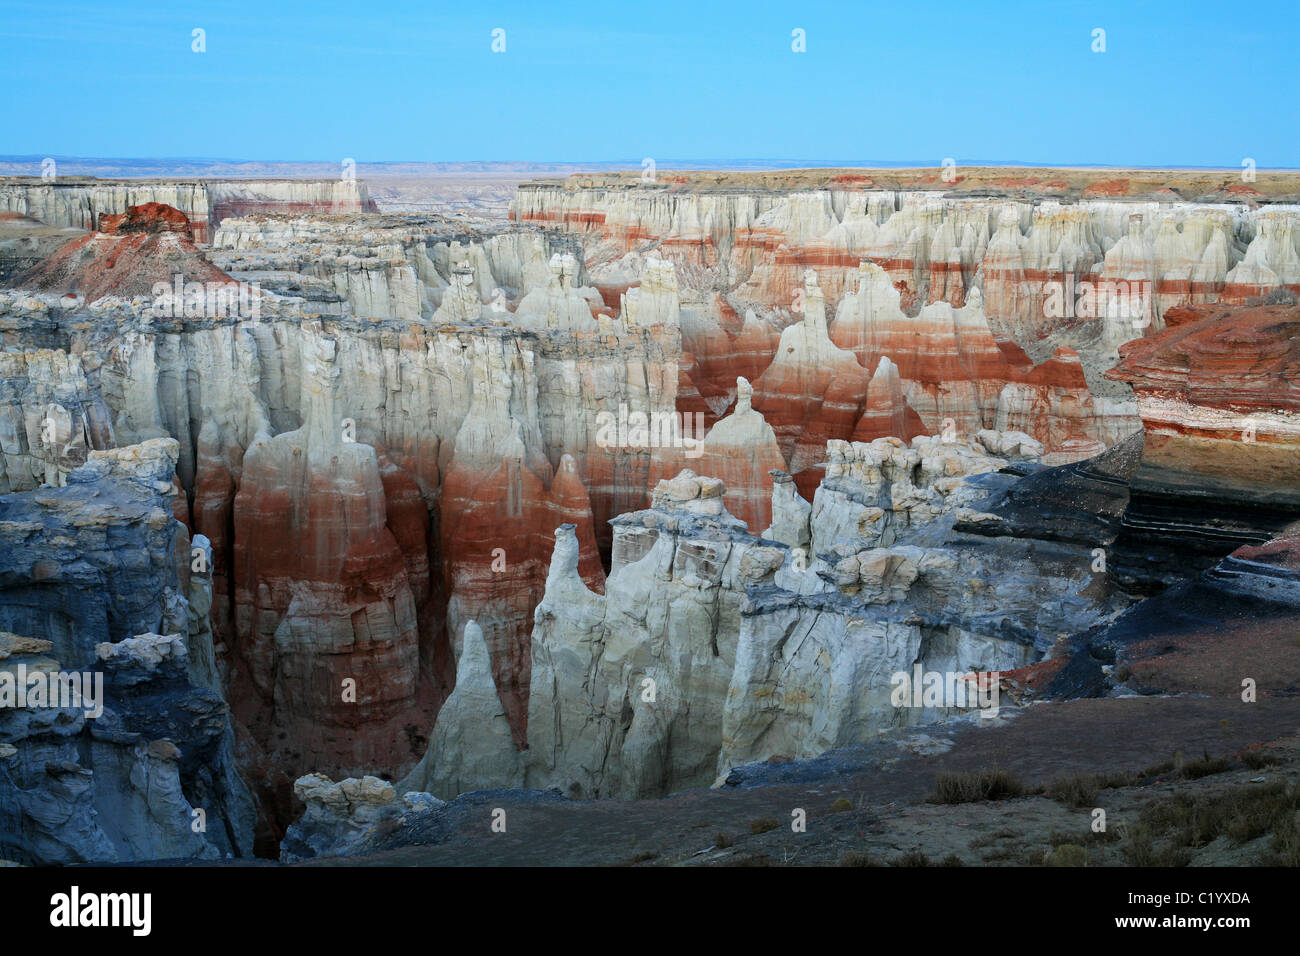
x=470, y=747
x=559, y=305
x=655, y=301
x=627, y=690
x=713, y=647
x=344, y=817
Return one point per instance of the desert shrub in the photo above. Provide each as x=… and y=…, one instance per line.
x=1084, y=838
x=972, y=787
x=995, y=838
x=1284, y=848
x=1264, y=809
x=1067, y=854
x=917, y=858
x=636, y=858
x=1080, y=790
x=1141, y=850
x=857, y=858
x=1242, y=814
x=1158, y=769
x=1257, y=759
x=1204, y=767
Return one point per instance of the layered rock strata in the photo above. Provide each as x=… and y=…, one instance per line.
x=424, y=466
x=383, y=455
x=713, y=647
x=1219, y=395
x=98, y=584
x=82, y=202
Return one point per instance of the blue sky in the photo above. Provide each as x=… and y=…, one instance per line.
x=1182, y=82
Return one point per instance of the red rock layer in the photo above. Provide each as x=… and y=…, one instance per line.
x=811, y=393
x=690, y=399
x=150, y=217
x=498, y=531
x=947, y=283
x=953, y=371
x=1219, y=398
x=754, y=347
x=136, y=250
x=570, y=504
x=1282, y=551
x=1051, y=402
x=213, y=511
x=886, y=412
x=696, y=248
x=1243, y=293
x=1108, y=187
x=716, y=350
x=742, y=451
x=328, y=571
x=1239, y=360
x=949, y=362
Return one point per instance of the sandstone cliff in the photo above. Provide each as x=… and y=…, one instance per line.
x=102, y=571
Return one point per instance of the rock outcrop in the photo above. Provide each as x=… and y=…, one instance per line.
x=101, y=570
x=812, y=392
x=1089, y=275
x=133, y=254
x=952, y=373
x=713, y=647
x=627, y=689
x=340, y=515
x=327, y=575
x=71, y=201
x=471, y=744
x=53, y=417
x=1220, y=404
x=348, y=816
x=742, y=451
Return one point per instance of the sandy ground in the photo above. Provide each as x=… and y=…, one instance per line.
x=887, y=784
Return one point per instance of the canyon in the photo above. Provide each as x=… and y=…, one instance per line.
x=646, y=482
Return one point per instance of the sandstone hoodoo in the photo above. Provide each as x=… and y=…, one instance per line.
x=742, y=451
x=327, y=638
x=813, y=389
x=656, y=486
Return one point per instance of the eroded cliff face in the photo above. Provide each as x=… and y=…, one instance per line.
x=628, y=690
x=110, y=580
x=1219, y=396
x=81, y=203
x=956, y=555
x=934, y=247
x=368, y=480
x=375, y=463
x=713, y=647
x=53, y=415
x=958, y=292
x=442, y=439
x=330, y=563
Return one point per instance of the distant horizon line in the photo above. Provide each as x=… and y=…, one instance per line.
x=733, y=163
